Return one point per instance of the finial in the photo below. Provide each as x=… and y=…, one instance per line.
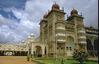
x=81, y=13
x=63, y=8
x=54, y=2
x=55, y=6
x=74, y=8
x=67, y=16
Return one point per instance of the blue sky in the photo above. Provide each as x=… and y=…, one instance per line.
x=19, y=18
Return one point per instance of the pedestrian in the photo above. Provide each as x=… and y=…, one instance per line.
x=28, y=59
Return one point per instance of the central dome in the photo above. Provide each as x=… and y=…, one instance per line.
x=55, y=6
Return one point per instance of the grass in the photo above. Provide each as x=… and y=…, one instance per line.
x=58, y=61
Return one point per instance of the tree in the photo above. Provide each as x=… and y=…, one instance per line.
x=62, y=62
x=90, y=47
x=96, y=47
x=28, y=58
x=80, y=56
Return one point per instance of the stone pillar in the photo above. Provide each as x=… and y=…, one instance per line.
x=43, y=51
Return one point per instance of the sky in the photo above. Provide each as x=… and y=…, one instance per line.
x=20, y=18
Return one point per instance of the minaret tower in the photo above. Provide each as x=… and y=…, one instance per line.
x=52, y=29
x=79, y=29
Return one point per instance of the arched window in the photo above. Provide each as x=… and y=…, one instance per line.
x=70, y=43
x=96, y=48
x=90, y=47
x=45, y=51
x=96, y=44
x=89, y=44
x=38, y=51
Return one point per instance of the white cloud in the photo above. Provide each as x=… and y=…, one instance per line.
x=22, y=28
x=33, y=12
x=6, y=21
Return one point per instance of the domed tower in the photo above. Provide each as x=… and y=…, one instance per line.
x=79, y=29
x=55, y=7
x=50, y=27
x=74, y=12
x=43, y=27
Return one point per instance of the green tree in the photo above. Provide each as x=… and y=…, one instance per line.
x=62, y=61
x=80, y=56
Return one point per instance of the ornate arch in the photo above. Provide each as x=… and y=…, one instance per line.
x=89, y=47
x=38, y=51
x=96, y=46
x=70, y=39
x=70, y=43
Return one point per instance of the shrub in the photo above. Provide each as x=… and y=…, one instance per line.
x=80, y=56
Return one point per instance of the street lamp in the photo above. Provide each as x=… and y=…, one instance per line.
x=29, y=42
x=29, y=48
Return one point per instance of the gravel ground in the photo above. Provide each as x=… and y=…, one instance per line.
x=14, y=60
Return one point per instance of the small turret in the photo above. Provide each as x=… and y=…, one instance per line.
x=74, y=12
x=55, y=7
x=45, y=15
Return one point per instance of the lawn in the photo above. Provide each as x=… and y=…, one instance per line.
x=59, y=61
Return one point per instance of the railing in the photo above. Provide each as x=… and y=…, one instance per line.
x=81, y=31
x=60, y=28
x=60, y=34
x=82, y=37
x=61, y=40
x=83, y=42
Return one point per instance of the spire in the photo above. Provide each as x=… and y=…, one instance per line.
x=63, y=8
x=67, y=16
x=55, y=6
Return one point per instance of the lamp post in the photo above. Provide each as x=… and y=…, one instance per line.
x=29, y=48
x=30, y=40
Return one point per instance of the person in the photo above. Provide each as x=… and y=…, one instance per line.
x=62, y=62
x=28, y=59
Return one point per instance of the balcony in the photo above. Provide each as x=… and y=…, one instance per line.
x=61, y=40
x=81, y=31
x=62, y=28
x=60, y=34
x=82, y=37
x=83, y=42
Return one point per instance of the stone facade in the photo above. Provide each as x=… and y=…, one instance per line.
x=13, y=49
x=63, y=36
x=59, y=36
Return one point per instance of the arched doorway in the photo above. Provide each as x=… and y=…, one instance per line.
x=1, y=53
x=45, y=51
x=96, y=50
x=89, y=47
x=70, y=46
x=38, y=51
x=8, y=53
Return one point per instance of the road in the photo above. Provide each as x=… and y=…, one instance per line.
x=14, y=60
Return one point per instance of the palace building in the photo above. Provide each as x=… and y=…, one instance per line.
x=13, y=49
x=62, y=36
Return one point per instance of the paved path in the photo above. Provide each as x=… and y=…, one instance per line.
x=14, y=60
